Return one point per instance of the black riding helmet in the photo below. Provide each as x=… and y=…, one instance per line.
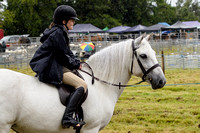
x=64, y=12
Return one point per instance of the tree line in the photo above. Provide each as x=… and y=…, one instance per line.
x=33, y=16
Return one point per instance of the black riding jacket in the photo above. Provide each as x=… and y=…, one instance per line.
x=53, y=55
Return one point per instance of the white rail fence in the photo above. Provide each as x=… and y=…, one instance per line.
x=179, y=53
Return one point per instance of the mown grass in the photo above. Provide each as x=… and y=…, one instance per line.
x=172, y=109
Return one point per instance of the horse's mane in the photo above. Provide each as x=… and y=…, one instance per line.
x=112, y=60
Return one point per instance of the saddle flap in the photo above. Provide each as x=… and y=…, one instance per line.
x=66, y=90
x=64, y=93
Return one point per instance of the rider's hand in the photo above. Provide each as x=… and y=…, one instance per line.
x=80, y=67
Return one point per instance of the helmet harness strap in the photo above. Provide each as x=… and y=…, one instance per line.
x=66, y=26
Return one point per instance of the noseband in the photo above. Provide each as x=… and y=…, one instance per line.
x=145, y=73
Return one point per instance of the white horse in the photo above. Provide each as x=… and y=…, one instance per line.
x=30, y=106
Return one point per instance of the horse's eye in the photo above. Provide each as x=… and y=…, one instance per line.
x=143, y=56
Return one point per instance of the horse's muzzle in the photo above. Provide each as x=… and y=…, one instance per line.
x=157, y=82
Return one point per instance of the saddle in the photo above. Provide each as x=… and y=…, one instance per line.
x=65, y=91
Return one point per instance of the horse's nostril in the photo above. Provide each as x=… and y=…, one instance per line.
x=161, y=82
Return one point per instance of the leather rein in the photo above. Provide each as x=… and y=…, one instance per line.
x=145, y=73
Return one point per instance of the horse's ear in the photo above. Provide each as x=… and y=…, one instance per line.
x=149, y=36
x=139, y=39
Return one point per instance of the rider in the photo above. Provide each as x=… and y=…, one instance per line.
x=53, y=61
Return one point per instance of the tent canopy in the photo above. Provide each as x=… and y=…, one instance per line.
x=164, y=23
x=118, y=29
x=156, y=27
x=85, y=28
x=192, y=23
x=105, y=29
x=136, y=28
x=179, y=25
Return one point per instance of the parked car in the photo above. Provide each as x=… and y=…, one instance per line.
x=2, y=47
x=8, y=41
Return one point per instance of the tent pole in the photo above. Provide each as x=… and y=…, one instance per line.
x=89, y=37
x=160, y=35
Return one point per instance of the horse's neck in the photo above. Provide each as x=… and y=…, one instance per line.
x=112, y=64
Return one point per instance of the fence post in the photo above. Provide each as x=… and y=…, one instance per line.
x=163, y=61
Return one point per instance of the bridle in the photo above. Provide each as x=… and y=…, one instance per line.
x=145, y=73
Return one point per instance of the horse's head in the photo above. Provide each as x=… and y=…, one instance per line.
x=145, y=64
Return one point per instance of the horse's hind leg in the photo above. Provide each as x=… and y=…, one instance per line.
x=5, y=128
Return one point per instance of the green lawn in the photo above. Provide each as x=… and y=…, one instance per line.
x=172, y=109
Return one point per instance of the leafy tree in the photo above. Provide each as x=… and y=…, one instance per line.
x=163, y=12
x=196, y=9
x=2, y=14
x=137, y=12
x=29, y=16
x=7, y=20
x=187, y=10
x=33, y=16
x=146, y=12
x=95, y=12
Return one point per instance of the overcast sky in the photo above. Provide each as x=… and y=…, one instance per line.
x=4, y=2
x=173, y=2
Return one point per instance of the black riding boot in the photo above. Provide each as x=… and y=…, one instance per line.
x=73, y=102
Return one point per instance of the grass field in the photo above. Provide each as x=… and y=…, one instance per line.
x=172, y=109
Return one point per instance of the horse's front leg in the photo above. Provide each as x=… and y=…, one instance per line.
x=7, y=115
